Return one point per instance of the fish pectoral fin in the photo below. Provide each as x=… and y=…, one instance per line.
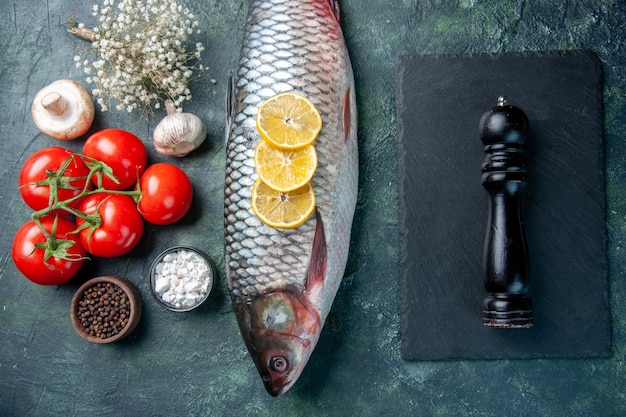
x=334, y=5
x=319, y=256
x=346, y=115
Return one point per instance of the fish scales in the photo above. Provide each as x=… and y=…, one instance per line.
x=294, y=46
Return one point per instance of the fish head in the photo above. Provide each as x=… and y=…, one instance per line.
x=280, y=332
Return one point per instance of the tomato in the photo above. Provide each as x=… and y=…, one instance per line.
x=122, y=151
x=166, y=194
x=30, y=257
x=118, y=226
x=49, y=160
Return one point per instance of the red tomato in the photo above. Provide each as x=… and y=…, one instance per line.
x=119, y=225
x=124, y=152
x=166, y=194
x=63, y=263
x=36, y=169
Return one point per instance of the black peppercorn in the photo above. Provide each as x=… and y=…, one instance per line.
x=104, y=310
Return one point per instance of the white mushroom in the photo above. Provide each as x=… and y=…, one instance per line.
x=63, y=110
x=178, y=133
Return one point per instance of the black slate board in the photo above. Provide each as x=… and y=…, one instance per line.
x=443, y=207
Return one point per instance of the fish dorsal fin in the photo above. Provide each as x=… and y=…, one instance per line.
x=319, y=256
x=334, y=5
x=230, y=105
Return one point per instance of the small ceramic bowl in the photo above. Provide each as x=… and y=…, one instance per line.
x=105, y=309
x=181, y=278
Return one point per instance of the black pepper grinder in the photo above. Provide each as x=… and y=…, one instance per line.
x=503, y=131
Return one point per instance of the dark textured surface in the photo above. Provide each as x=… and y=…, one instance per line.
x=443, y=207
x=195, y=364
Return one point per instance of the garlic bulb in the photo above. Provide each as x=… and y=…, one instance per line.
x=178, y=133
x=63, y=110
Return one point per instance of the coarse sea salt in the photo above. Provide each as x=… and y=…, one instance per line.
x=182, y=279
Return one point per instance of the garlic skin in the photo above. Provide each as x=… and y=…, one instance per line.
x=178, y=133
x=63, y=110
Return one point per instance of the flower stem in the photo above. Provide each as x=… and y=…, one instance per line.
x=83, y=32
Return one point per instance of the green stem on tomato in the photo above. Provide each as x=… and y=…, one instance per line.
x=65, y=204
x=49, y=239
x=56, y=180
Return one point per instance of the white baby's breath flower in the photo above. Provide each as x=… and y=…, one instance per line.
x=141, y=55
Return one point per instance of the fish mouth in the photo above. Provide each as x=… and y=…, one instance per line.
x=273, y=389
x=279, y=373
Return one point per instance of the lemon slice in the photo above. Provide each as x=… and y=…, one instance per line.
x=285, y=170
x=285, y=210
x=288, y=121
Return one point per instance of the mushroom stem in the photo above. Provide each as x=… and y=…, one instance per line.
x=54, y=103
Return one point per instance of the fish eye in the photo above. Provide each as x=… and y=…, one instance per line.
x=279, y=364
